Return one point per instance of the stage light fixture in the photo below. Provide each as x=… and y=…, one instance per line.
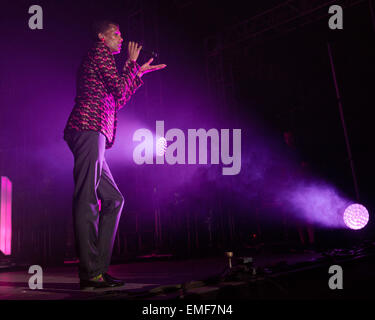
x=356, y=216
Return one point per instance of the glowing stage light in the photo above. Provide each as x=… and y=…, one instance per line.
x=5, y=215
x=356, y=216
x=161, y=146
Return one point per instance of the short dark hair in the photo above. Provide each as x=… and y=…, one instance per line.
x=101, y=26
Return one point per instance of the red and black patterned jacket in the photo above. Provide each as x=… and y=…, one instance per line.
x=101, y=92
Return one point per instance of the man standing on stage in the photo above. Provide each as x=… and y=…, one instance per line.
x=91, y=128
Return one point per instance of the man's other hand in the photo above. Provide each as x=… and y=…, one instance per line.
x=146, y=68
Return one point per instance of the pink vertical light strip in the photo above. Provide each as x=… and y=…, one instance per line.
x=8, y=237
x=6, y=216
x=2, y=216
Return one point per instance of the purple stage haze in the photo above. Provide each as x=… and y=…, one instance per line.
x=41, y=74
x=317, y=203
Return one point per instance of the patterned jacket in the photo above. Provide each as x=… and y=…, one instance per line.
x=101, y=92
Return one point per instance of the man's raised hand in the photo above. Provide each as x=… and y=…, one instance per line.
x=133, y=51
x=146, y=68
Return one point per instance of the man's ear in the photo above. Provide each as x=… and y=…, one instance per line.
x=101, y=36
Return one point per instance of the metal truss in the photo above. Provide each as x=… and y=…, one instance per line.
x=286, y=16
x=283, y=18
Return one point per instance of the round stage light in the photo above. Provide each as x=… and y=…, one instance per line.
x=356, y=216
x=161, y=146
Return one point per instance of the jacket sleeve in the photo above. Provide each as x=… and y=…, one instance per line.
x=129, y=73
x=121, y=86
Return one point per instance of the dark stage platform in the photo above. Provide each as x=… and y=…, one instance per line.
x=270, y=275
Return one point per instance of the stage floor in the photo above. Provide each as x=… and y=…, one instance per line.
x=141, y=277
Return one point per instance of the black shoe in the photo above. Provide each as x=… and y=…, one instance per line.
x=118, y=282
x=96, y=284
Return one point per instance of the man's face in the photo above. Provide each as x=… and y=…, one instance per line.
x=112, y=38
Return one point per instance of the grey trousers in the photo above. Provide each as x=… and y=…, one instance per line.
x=94, y=230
